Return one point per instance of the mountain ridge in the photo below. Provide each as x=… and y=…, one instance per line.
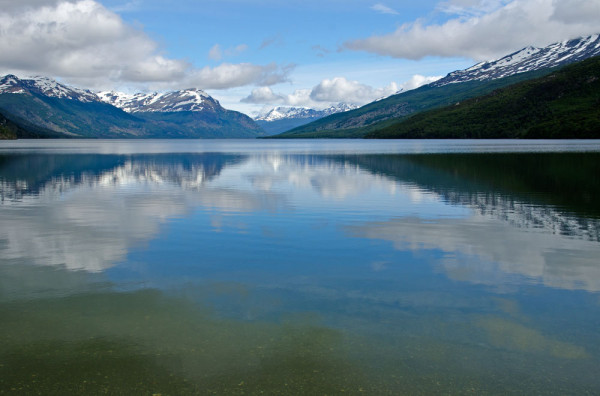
x=527, y=59
x=563, y=104
x=282, y=112
x=281, y=119
x=456, y=86
x=57, y=110
x=162, y=102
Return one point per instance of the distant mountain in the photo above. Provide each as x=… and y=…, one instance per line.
x=281, y=119
x=166, y=102
x=279, y=113
x=457, y=86
x=45, y=86
x=185, y=113
x=564, y=104
x=52, y=109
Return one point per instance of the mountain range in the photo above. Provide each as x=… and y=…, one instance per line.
x=43, y=107
x=40, y=107
x=281, y=119
x=562, y=104
x=480, y=79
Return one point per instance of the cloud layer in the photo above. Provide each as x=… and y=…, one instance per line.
x=85, y=43
x=487, y=29
x=335, y=90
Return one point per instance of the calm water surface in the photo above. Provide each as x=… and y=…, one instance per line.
x=301, y=267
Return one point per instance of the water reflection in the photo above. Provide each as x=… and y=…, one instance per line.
x=527, y=214
x=86, y=212
x=531, y=215
x=231, y=273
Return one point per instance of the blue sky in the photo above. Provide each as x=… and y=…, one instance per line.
x=256, y=54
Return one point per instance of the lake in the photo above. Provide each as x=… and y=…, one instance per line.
x=299, y=267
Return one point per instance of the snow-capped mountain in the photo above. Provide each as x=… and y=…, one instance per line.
x=527, y=59
x=45, y=86
x=51, y=109
x=281, y=119
x=405, y=103
x=281, y=113
x=164, y=102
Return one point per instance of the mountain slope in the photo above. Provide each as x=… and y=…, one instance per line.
x=51, y=109
x=281, y=119
x=14, y=128
x=187, y=113
x=65, y=111
x=527, y=59
x=564, y=104
x=456, y=86
x=8, y=129
x=356, y=123
x=161, y=102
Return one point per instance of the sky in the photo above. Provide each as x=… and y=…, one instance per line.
x=252, y=55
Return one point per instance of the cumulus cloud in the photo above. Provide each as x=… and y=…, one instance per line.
x=265, y=95
x=84, y=43
x=336, y=90
x=229, y=75
x=327, y=92
x=418, y=80
x=487, y=29
x=339, y=89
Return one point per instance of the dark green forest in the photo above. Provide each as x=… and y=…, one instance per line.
x=562, y=105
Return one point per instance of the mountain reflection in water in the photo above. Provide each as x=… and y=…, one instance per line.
x=528, y=213
x=246, y=272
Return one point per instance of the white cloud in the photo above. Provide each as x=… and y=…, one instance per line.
x=418, y=80
x=382, y=8
x=339, y=89
x=336, y=90
x=577, y=12
x=11, y=5
x=487, y=29
x=264, y=95
x=300, y=98
x=97, y=220
x=472, y=252
x=84, y=43
x=229, y=75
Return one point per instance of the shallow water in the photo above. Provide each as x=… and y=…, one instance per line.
x=302, y=267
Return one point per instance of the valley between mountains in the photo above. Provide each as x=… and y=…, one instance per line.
x=549, y=92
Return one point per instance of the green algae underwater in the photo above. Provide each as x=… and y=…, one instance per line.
x=147, y=343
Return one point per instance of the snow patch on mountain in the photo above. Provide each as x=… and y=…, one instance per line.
x=527, y=59
x=286, y=113
x=172, y=101
x=45, y=86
